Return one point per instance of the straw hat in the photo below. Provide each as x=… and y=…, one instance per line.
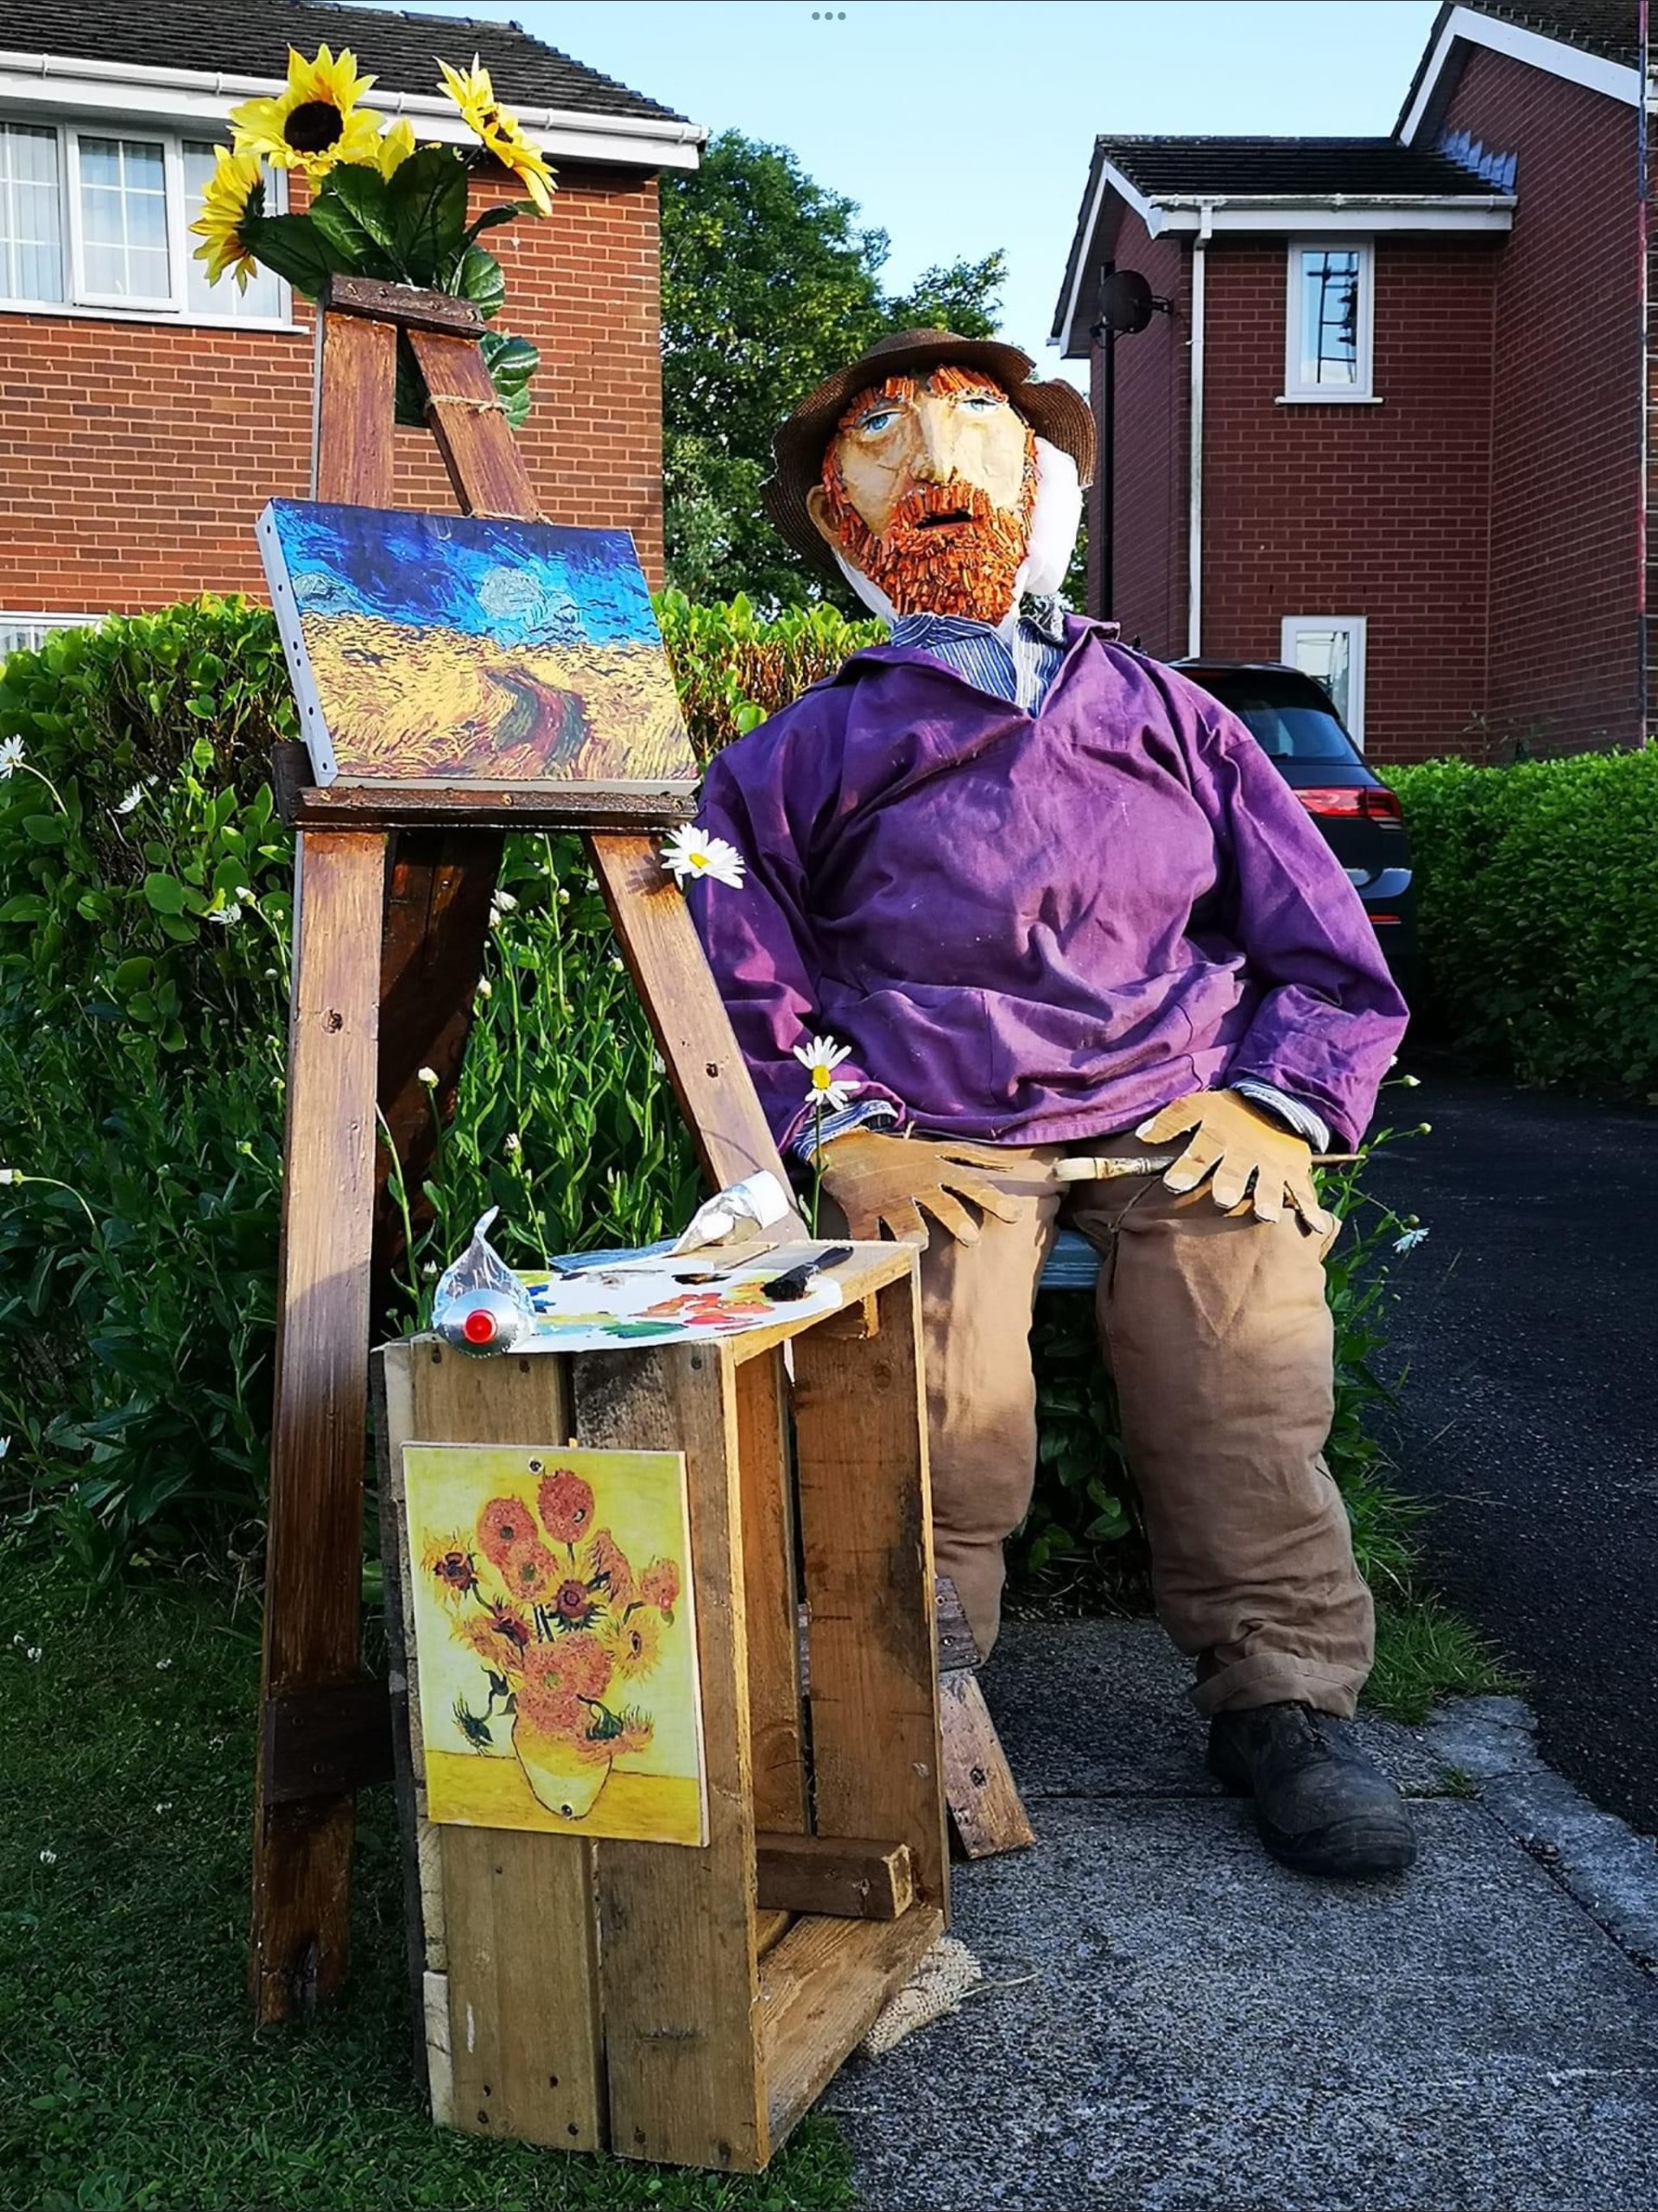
x=1056, y=411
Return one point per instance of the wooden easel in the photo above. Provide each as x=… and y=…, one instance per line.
x=392, y=897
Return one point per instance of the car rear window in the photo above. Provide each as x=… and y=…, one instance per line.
x=1289, y=721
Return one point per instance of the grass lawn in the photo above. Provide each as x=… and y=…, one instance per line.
x=129, y=2075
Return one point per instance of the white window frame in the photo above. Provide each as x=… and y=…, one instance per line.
x=43, y=625
x=1355, y=626
x=1362, y=393
x=81, y=299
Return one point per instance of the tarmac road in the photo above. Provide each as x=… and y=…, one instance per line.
x=1529, y=1320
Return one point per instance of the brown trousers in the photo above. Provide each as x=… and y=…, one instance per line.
x=1219, y=1337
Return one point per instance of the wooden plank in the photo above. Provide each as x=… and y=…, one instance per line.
x=519, y=1935
x=450, y=805
x=867, y=1547
x=770, y=1928
x=851, y=1879
x=404, y=305
x=432, y=954
x=357, y=373
x=775, y=1755
x=985, y=1801
x=327, y=1742
x=823, y=1988
x=433, y=2014
x=485, y=468
x=302, y=1848
x=678, y=1946
x=957, y=1647
x=676, y=988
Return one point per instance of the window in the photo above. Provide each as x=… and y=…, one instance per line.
x=1327, y=341
x=31, y=215
x=101, y=219
x=1330, y=647
x=21, y=633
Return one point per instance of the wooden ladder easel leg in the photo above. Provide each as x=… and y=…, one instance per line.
x=313, y=1568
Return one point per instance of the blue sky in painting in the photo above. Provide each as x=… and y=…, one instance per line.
x=517, y=583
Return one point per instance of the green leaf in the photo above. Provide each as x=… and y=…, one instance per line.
x=133, y=975
x=165, y=894
x=296, y=249
x=46, y=829
x=355, y=202
x=491, y=216
x=28, y=906
x=428, y=211
x=481, y=282
x=511, y=362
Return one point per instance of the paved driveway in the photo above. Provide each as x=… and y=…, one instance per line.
x=1529, y=1320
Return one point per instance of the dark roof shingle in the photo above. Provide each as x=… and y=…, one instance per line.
x=1289, y=169
x=1608, y=28
x=250, y=38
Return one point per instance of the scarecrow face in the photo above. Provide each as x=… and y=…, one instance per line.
x=928, y=488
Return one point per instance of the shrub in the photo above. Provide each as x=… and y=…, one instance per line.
x=144, y=953
x=1539, y=912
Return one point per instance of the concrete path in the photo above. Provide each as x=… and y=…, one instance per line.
x=1526, y=1324
x=1174, y=2024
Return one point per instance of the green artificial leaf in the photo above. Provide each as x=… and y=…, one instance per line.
x=427, y=195
x=511, y=363
x=336, y=222
x=296, y=249
x=361, y=200
x=491, y=216
x=165, y=894
x=481, y=282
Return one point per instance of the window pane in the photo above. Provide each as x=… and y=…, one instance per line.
x=31, y=215
x=124, y=217
x=262, y=300
x=1330, y=315
x=1326, y=656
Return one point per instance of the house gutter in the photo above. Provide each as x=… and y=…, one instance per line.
x=86, y=81
x=1194, y=470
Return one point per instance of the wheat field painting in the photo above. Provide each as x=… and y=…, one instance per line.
x=439, y=648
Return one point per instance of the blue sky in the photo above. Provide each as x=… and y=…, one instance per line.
x=958, y=126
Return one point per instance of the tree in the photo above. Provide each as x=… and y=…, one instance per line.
x=769, y=284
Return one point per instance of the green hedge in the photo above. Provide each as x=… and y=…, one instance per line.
x=1538, y=903
x=144, y=976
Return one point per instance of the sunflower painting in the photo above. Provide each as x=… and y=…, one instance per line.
x=553, y=1640
x=430, y=648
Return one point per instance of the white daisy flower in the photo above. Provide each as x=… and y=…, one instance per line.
x=125, y=806
x=428, y=1076
x=821, y=1059
x=12, y=757
x=690, y=853
x=222, y=916
x=1409, y=1241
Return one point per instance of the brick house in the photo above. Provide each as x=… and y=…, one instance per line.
x=146, y=418
x=1393, y=392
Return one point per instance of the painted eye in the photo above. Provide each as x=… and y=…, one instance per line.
x=878, y=419
x=981, y=403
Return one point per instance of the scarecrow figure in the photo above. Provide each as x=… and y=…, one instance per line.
x=1054, y=900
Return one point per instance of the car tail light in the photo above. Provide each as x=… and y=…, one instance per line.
x=1379, y=920
x=1371, y=802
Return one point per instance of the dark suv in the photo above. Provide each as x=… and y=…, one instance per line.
x=1291, y=718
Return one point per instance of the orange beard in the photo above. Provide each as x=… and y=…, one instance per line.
x=964, y=568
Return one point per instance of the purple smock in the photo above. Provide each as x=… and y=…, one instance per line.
x=1034, y=928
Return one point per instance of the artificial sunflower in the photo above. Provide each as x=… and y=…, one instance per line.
x=474, y=95
x=235, y=191
x=315, y=122
x=395, y=146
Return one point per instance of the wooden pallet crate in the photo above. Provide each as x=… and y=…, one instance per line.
x=682, y=2004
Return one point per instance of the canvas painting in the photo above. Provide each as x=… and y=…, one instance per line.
x=554, y=1640
x=442, y=648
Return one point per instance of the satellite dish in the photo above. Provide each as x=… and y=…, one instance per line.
x=1125, y=302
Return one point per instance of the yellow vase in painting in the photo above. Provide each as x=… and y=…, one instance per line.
x=567, y=1781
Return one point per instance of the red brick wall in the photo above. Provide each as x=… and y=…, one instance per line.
x=1565, y=483
x=134, y=457
x=1152, y=372
x=1342, y=509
